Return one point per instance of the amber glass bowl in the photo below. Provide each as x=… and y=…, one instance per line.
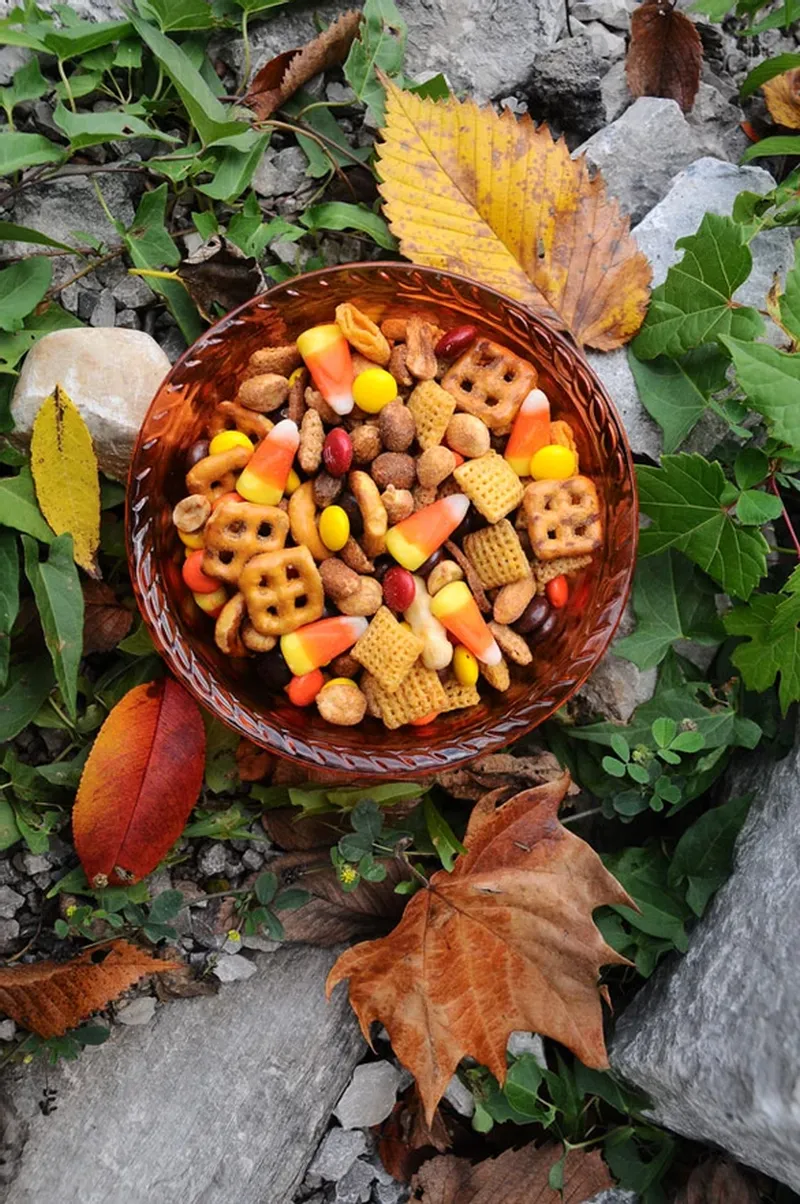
x=208, y=373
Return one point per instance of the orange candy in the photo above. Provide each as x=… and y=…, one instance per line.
x=304, y=689
x=531, y=430
x=212, y=604
x=425, y=720
x=557, y=591
x=264, y=477
x=316, y=644
x=193, y=575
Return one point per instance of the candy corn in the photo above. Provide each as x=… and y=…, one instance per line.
x=416, y=538
x=212, y=604
x=264, y=477
x=531, y=430
x=327, y=356
x=316, y=644
x=455, y=607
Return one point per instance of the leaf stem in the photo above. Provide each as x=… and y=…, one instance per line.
x=573, y=819
x=246, y=40
x=792, y=534
x=66, y=83
x=160, y=275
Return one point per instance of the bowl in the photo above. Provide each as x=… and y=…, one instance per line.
x=207, y=373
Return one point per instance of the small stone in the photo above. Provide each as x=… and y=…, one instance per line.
x=605, y=44
x=127, y=319
x=138, y=1011
x=615, y=92
x=110, y=375
x=9, y=932
x=390, y=1193
x=614, y=1195
x=564, y=89
x=7, y=872
x=32, y=863
x=132, y=292
x=370, y=1096
x=233, y=967
x=172, y=343
x=460, y=1097
x=520, y=1043
x=10, y=902
x=339, y=93
x=211, y=860
x=281, y=173
x=616, y=14
x=7, y=1030
x=105, y=311
x=338, y=1152
x=87, y=302
x=252, y=859
x=262, y=944
x=356, y=1186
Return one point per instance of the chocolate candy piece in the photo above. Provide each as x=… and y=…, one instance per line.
x=273, y=670
x=533, y=616
x=456, y=341
x=198, y=451
x=353, y=512
x=432, y=561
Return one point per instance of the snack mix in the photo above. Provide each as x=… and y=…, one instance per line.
x=390, y=504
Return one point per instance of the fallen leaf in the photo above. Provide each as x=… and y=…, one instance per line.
x=782, y=96
x=49, y=998
x=498, y=770
x=219, y=273
x=288, y=828
x=506, y=941
x=282, y=76
x=64, y=470
x=406, y=1139
x=515, y=1177
x=665, y=53
x=140, y=782
x=105, y=621
x=252, y=761
x=718, y=1181
x=497, y=199
x=332, y=915
x=178, y=981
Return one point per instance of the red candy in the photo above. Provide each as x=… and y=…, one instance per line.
x=454, y=342
x=303, y=690
x=425, y=719
x=398, y=588
x=557, y=591
x=337, y=452
x=198, y=581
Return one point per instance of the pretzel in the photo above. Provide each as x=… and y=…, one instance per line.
x=237, y=531
x=283, y=590
x=227, y=632
x=214, y=475
x=254, y=640
x=362, y=333
x=373, y=511
x=490, y=382
x=230, y=416
x=563, y=517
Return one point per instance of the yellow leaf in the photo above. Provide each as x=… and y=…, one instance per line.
x=64, y=470
x=499, y=200
x=782, y=96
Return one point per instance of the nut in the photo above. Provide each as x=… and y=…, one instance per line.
x=394, y=468
x=337, y=452
x=399, y=504
x=398, y=366
x=366, y=600
x=303, y=521
x=467, y=435
x=424, y=495
x=297, y=397
x=397, y=426
x=345, y=666
x=228, y=626
x=273, y=359
x=456, y=341
x=338, y=581
x=356, y=558
x=434, y=465
x=312, y=439
x=515, y=648
x=394, y=328
x=191, y=513
x=498, y=675
x=342, y=703
x=326, y=489
x=315, y=401
x=512, y=599
x=372, y=510
x=264, y=393
x=366, y=443
x=442, y=574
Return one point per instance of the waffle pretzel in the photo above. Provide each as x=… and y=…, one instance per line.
x=490, y=382
x=238, y=531
x=491, y=485
x=563, y=517
x=283, y=590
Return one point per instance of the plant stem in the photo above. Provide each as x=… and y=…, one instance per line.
x=67, y=87
x=773, y=484
x=160, y=275
x=246, y=40
x=573, y=819
x=90, y=267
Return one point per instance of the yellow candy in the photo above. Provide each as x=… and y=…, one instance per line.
x=465, y=666
x=192, y=539
x=225, y=440
x=334, y=528
x=553, y=463
x=298, y=372
x=338, y=681
x=373, y=389
x=292, y=482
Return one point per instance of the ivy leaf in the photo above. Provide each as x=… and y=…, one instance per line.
x=9, y=596
x=233, y=169
x=672, y=601
x=70, y=42
x=380, y=46
x=336, y=150
x=146, y=238
x=177, y=15
x=694, y=304
x=754, y=508
x=22, y=286
x=339, y=215
x=89, y=129
x=766, y=652
x=26, y=150
x=685, y=498
x=703, y=855
x=675, y=392
x=59, y=600
x=770, y=378
x=643, y=873
x=28, y=84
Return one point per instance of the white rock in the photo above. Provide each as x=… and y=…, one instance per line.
x=138, y=1011
x=232, y=967
x=7, y=1030
x=110, y=375
x=616, y=14
x=605, y=43
x=615, y=92
x=520, y=1043
x=460, y=1097
x=338, y=1152
x=10, y=902
x=370, y=1096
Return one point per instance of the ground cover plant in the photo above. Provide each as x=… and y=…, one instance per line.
x=85, y=699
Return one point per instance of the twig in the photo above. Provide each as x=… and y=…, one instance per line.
x=90, y=267
x=774, y=487
x=573, y=819
x=567, y=14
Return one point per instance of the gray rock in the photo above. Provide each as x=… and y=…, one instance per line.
x=616, y=14
x=520, y=1043
x=617, y=687
x=614, y=1195
x=717, y=122
x=32, y=863
x=10, y=902
x=8, y=1030
x=9, y=933
x=132, y=292
x=127, y=319
x=104, y=312
x=11, y=59
x=356, y=1186
x=714, y=1037
x=211, y=860
x=390, y=1193
x=564, y=89
x=459, y=1097
x=337, y=1154
x=138, y=1011
x=280, y=173
x=252, y=859
x=219, y=1099
x=62, y=208
x=87, y=303
x=605, y=43
x=232, y=967
x=172, y=343
x=369, y=1097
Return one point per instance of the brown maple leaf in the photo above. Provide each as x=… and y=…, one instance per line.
x=105, y=621
x=782, y=96
x=497, y=770
x=282, y=76
x=515, y=1177
x=665, y=53
x=49, y=998
x=506, y=941
x=406, y=1140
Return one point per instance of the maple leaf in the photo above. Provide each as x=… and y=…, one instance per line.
x=497, y=199
x=782, y=97
x=516, y=1177
x=506, y=941
x=139, y=784
x=49, y=998
x=770, y=379
x=665, y=53
x=283, y=75
x=105, y=621
x=772, y=646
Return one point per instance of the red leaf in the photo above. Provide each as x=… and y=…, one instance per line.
x=665, y=53
x=281, y=77
x=139, y=784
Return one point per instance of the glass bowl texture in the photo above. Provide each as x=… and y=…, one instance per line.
x=207, y=373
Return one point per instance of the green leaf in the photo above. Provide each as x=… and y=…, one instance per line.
x=89, y=129
x=233, y=169
x=366, y=818
x=767, y=71
x=621, y=747
x=688, y=742
x=28, y=84
x=770, y=378
x=754, y=508
x=83, y=36
x=443, y=838
x=434, y=88
x=9, y=831
x=65, y=774
x=266, y=887
x=380, y=46
x=614, y=767
x=139, y=643
x=684, y=498
x=675, y=392
x=664, y=731
x=765, y=654
x=673, y=601
x=177, y=15
x=221, y=774
x=9, y=596
x=339, y=215
x=147, y=240
x=643, y=873
x=165, y=906
x=30, y=685
x=22, y=286
x=291, y=899
x=750, y=467
x=59, y=600
x=336, y=148
x=24, y=234
x=789, y=301
x=693, y=306
x=704, y=854
x=19, y=508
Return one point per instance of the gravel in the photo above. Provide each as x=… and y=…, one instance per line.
x=338, y=1152
x=370, y=1095
x=138, y=1011
x=9, y=931
x=10, y=902
x=211, y=860
x=232, y=967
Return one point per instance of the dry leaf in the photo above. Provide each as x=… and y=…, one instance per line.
x=516, y=1177
x=252, y=761
x=332, y=915
x=718, y=1181
x=49, y=998
x=506, y=941
x=178, y=981
x=665, y=53
x=497, y=199
x=219, y=273
x=64, y=470
x=498, y=770
x=288, y=828
x=282, y=76
x=139, y=784
x=105, y=620
x=406, y=1139
x=782, y=96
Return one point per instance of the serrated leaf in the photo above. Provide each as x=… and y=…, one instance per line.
x=9, y=597
x=174, y=16
x=694, y=304
x=672, y=601
x=789, y=301
x=89, y=129
x=675, y=392
x=22, y=286
x=59, y=600
x=754, y=508
x=379, y=47
x=782, y=99
x=770, y=378
x=665, y=54
x=684, y=500
x=282, y=76
x=765, y=652
x=65, y=473
x=18, y=151
x=19, y=509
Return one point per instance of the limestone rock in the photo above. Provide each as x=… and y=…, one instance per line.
x=370, y=1096
x=617, y=687
x=111, y=376
x=564, y=89
x=337, y=1154
x=616, y=14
